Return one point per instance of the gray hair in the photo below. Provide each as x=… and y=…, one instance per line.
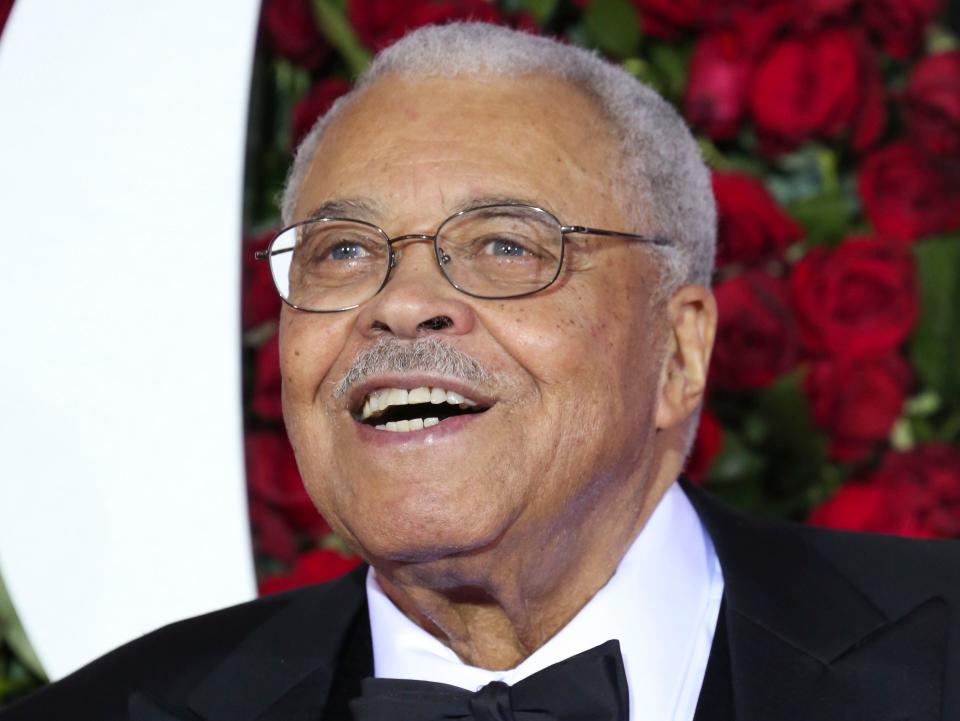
x=664, y=175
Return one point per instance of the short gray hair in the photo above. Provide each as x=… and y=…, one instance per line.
x=664, y=172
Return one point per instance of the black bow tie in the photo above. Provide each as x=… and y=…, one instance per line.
x=590, y=686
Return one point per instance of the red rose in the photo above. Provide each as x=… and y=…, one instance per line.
x=900, y=25
x=812, y=86
x=668, y=18
x=870, y=119
x=273, y=479
x=861, y=506
x=913, y=493
x=260, y=301
x=812, y=14
x=317, y=566
x=756, y=339
x=267, y=381
x=716, y=92
x=905, y=196
x=293, y=31
x=313, y=105
x=706, y=446
x=724, y=59
x=273, y=536
x=932, y=104
x=857, y=400
x=857, y=300
x=381, y=22
x=5, y=7
x=751, y=227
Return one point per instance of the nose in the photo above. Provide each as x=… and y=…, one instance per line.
x=417, y=300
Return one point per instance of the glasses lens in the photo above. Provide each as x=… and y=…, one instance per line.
x=328, y=265
x=501, y=251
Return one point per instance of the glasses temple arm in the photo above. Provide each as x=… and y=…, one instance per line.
x=584, y=230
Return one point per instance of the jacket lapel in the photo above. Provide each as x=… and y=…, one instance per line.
x=806, y=643
x=285, y=668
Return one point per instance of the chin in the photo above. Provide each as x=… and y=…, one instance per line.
x=423, y=535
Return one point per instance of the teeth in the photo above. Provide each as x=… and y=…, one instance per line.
x=414, y=424
x=381, y=399
x=419, y=395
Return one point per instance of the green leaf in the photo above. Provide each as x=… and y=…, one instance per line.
x=902, y=436
x=644, y=72
x=333, y=23
x=949, y=431
x=291, y=81
x=824, y=217
x=671, y=62
x=935, y=345
x=613, y=26
x=808, y=171
x=735, y=463
x=940, y=39
x=923, y=404
x=334, y=542
x=795, y=448
x=12, y=633
x=542, y=10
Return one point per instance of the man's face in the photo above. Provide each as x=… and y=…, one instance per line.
x=574, y=369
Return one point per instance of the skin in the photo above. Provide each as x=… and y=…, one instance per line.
x=494, y=535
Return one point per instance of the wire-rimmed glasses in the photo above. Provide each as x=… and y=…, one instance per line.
x=327, y=265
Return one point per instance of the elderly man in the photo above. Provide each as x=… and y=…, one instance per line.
x=494, y=352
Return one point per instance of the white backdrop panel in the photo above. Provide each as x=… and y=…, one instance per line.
x=122, y=502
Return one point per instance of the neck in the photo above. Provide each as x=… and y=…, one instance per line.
x=495, y=607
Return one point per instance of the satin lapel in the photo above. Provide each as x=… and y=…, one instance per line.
x=805, y=643
x=284, y=668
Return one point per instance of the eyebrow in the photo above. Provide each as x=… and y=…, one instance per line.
x=367, y=208
x=347, y=208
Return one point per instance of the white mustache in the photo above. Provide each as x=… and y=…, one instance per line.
x=426, y=355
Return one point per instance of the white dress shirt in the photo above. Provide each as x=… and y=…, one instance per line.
x=661, y=603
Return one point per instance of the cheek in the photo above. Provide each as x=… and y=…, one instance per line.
x=582, y=334
x=310, y=347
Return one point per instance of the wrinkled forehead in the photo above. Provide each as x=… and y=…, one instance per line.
x=527, y=137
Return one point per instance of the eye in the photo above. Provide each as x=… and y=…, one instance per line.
x=505, y=247
x=347, y=250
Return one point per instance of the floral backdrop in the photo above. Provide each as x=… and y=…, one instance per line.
x=833, y=129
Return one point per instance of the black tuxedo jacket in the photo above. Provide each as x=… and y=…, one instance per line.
x=814, y=625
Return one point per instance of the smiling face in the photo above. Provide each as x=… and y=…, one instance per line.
x=565, y=380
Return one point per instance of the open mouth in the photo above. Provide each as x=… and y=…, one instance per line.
x=400, y=410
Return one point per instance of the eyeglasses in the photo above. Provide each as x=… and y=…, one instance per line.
x=327, y=265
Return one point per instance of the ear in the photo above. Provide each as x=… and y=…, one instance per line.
x=692, y=316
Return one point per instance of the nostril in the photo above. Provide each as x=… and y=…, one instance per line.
x=438, y=322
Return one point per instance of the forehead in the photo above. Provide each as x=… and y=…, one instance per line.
x=440, y=142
